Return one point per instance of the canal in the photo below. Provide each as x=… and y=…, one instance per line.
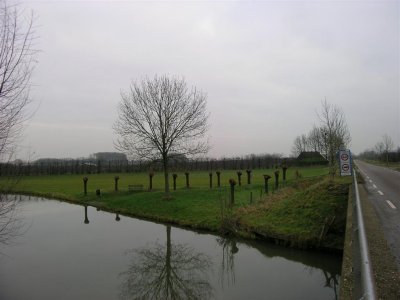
x=67, y=251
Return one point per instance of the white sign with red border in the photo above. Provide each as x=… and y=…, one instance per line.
x=345, y=163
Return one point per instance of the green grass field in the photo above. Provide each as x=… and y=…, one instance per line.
x=296, y=212
x=71, y=186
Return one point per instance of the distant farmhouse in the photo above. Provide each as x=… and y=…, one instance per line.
x=109, y=156
x=311, y=158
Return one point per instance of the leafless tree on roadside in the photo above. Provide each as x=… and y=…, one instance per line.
x=379, y=149
x=387, y=146
x=17, y=60
x=327, y=138
x=334, y=130
x=161, y=117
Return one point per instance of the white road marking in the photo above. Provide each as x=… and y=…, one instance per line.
x=370, y=180
x=391, y=204
x=380, y=193
x=374, y=186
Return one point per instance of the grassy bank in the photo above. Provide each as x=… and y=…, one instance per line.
x=307, y=212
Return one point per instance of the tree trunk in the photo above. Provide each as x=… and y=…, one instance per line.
x=166, y=176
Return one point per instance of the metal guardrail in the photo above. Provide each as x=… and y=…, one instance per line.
x=367, y=283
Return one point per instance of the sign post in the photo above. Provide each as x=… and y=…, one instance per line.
x=345, y=163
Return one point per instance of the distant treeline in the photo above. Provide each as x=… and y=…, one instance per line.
x=392, y=156
x=90, y=166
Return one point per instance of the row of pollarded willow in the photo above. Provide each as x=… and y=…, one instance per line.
x=187, y=176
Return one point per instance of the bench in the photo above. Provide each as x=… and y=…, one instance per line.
x=135, y=187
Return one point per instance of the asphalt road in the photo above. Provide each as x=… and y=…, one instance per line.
x=383, y=187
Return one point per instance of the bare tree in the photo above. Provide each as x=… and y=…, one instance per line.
x=304, y=142
x=17, y=59
x=315, y=140
x=334, y=130
x=299, y=145
x=387, y=144
x=10, y=225
x=379, y=149
x=160, y=117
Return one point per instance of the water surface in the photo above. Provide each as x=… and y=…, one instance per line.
x=69, y=251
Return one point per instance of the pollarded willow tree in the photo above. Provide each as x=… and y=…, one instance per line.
x=161, y=117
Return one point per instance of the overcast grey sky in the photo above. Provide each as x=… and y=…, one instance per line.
x=265, y=66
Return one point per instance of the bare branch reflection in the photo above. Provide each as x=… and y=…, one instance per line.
x=10, y=224
x=332, y=281
x=171, y=271
x=227, y=268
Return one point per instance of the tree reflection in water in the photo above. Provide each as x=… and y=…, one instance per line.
x=86, y=221
x=227, y=269
x=171, y=271
x=10, y=225
x=332, y=281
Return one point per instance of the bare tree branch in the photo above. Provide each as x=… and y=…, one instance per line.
x=160, y=117
x=17, y=60
x=16, y=65
x=327, y=138
x=334, y=130
x=387, y=145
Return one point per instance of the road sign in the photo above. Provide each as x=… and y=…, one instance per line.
x=345, y=163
